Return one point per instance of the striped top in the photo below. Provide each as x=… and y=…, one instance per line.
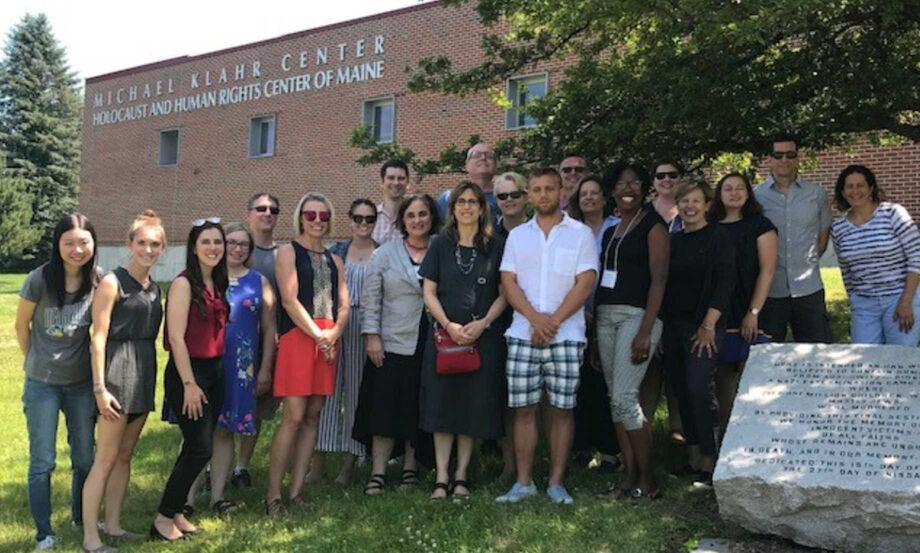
x=876, y=256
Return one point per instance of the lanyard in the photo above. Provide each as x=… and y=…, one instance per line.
x=616, y=251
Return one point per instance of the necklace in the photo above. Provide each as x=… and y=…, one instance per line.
x=467, y=267
x=411, y=247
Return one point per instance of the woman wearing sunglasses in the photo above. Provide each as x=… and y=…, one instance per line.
x=511, y=194
x=335, y=434
x=314, y=295
x=196, y=321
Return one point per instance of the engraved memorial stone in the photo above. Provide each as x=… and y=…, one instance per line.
x=823, y=447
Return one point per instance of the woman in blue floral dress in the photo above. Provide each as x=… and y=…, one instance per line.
x=247, y=366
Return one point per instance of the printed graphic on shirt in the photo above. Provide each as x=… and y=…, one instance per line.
x=64, y=321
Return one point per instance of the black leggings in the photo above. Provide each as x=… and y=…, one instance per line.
x=196, y=434
x=692, y=379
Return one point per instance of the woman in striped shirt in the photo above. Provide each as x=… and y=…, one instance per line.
x=878, y=247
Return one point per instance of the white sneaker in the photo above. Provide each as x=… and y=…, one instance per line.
x=45, y=544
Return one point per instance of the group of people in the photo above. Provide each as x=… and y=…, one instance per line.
x=564, y=299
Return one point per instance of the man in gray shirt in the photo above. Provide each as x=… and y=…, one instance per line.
x=802, y=215
x=262, y=212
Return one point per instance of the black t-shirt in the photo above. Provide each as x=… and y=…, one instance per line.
x=701, y=274
x=744, y=234
x=632, y=263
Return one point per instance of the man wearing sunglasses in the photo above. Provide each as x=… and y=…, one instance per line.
x=572, y=169
x=802, y=214
x=262, y=212
x=394, y=179
x=481, y=165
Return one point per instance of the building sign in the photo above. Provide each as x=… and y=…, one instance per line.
x=292, y=73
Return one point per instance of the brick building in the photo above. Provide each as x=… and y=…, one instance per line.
x=195, y=136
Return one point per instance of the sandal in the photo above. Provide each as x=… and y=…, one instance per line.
x=461, y=484
x=639, y=495
x=614, y=493
x=224, y=507
x=375, y=486
x=440, y=486
x=409, y=479
x=275, y=508
x=298, y=501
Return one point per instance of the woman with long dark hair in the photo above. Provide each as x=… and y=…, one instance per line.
x=314, y=295
x=736, y=210
x=461, y=291
x=127, y=313
x=196, y=321
x=52, y=328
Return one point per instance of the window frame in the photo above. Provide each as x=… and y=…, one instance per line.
x=513, y=113
x=367, y=107
x=160, y=133
x=274, y=135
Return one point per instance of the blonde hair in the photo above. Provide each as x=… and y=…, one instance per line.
x=518, y=179
x=147, y=218
x=689, y=183
x=312, y=197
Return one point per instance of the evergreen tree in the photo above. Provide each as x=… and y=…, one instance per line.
x=17, y=235
x=40, y=124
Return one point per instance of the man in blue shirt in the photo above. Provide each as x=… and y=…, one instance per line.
x=480, y=168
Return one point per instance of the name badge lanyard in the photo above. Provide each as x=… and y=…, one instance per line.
x=609, y=277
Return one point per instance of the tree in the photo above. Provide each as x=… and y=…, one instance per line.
x=40, y=123
x=695, y=79
x=17, y=235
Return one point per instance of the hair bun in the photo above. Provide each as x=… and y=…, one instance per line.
x=148, y=214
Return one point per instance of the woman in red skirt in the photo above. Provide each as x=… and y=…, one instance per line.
x=311, y=281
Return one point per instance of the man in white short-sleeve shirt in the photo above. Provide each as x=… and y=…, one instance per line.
x=548, y=271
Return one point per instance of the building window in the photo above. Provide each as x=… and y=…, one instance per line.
x=262, y=136
x=168, y=155
x=521, y=91
x=379, y=115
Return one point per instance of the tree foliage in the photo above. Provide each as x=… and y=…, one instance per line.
x=40, y=120
x=17, y=235
x=695, y=79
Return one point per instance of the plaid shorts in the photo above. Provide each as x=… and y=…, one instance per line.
x=531, y=368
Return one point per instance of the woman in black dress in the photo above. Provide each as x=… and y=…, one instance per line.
x=461, y=290
x=127, y=313
x=737, y=211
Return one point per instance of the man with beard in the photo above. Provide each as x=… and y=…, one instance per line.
x=548, y=271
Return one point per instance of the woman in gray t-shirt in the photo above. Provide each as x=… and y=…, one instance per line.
x=52, y=328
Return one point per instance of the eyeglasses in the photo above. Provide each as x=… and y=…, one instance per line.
x=792, y=154
x=628, y=183
x=513, y=195
x=667, y=174
x=312, y=215
x=361, y=219
x=263, y=208
x=238, y=244
x=574, y=169
x=201, y=222
x=479, y=154
x=466, y=202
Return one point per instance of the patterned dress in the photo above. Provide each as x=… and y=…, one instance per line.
x=243, y=354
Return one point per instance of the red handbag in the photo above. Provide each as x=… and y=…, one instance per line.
x=451, y=357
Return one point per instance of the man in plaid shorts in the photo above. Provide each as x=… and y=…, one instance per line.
x=548, y=271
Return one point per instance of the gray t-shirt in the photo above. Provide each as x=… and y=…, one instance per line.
x=59, y=338
x=263, y=261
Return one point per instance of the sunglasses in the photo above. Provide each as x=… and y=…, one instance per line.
x=574, y=169
x=201, y=222
x=789, y=155
x=312, y=215
x=667, y=174
x=513, y=195
x=263, y=208
x=361, y=219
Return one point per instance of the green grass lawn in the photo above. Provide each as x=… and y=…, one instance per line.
x=344, y=519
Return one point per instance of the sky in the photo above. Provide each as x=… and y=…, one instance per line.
x=102, y=36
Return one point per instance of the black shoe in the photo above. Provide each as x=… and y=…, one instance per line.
x=609, y=467
x=157, y=536
x=702, y=479
x=241, y=479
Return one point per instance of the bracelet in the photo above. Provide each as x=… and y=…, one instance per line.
x=188, y=382
x=98, y=389
x=704, y=327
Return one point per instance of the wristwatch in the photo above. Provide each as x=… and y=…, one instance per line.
x=754, y=311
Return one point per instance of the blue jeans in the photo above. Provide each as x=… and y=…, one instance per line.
x=41, y=404
x=872, y=321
